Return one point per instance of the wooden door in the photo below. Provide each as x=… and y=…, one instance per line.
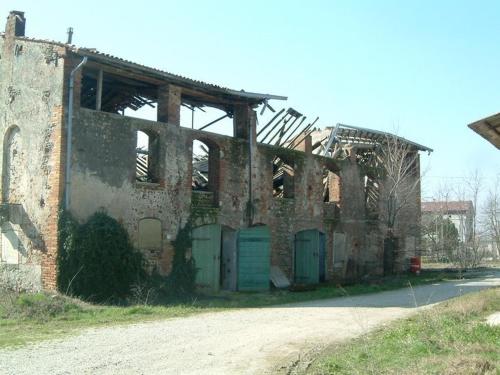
x=254, y=258
x=206, y=248
x=307, y=257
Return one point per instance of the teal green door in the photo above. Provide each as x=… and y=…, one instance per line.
x=307, y=245
x=254, y=259
x=206, y=249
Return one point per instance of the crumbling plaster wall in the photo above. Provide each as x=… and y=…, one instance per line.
x=31, y=91
x=103, y=178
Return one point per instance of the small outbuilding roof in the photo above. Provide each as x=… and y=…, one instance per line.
x=488, y=128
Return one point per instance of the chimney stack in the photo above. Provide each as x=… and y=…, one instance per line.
x=16, y=24
x=70, y=35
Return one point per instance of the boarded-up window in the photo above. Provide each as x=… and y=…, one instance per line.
x=150, y=234
x=339, y=253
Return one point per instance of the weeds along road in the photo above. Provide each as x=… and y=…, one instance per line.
x=247, y=341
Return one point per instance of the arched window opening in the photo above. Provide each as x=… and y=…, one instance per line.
x=205, y=173
x=283, y=179
x=12, y=165
x=147, y=157
x=201, y=167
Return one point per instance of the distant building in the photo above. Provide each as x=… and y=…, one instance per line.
x=460, y=213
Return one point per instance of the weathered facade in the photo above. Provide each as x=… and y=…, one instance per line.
x=150, y=190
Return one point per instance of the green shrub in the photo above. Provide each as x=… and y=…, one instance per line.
x=182, y=279
x=96, y=260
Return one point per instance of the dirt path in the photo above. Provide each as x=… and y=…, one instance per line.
x=249, y=341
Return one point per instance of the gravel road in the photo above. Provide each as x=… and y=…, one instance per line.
x=247, y=341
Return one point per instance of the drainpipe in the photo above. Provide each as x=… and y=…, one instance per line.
x=69, y=134
x=250, y=164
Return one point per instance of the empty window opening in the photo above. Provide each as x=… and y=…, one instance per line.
x=283, y=179
x=147, y=157
x=113, y=93
x=372, y=196
x=201, y=168
x=331, y=187
x=205, y=172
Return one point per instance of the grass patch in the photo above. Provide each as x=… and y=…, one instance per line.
x=450, y=338
x=32, y=317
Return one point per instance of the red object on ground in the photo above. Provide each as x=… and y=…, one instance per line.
x=415, y=265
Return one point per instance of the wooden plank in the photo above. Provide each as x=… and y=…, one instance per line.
x=98, y=98
x=278, y=278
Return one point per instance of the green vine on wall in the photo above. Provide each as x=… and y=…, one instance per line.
x=182, y=279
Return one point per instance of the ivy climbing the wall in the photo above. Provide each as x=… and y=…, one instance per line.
x=96, y=260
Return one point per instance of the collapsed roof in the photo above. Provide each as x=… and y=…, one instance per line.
x=194, y=93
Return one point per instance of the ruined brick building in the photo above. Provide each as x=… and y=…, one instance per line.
x=304, y=205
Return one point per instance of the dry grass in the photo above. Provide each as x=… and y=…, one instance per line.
x=451, y=338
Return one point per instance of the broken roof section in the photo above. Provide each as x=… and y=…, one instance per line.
x=213, y=94
x=489, y=129
x=325, y=141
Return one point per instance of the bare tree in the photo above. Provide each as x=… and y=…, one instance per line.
x=399, y=161
x=492, y=215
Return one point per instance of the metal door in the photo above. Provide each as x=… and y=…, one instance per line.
x=254, y=258
x=307, y=257
x=390, y=248
x=206, y=246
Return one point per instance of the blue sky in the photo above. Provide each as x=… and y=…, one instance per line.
x=425, y=68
